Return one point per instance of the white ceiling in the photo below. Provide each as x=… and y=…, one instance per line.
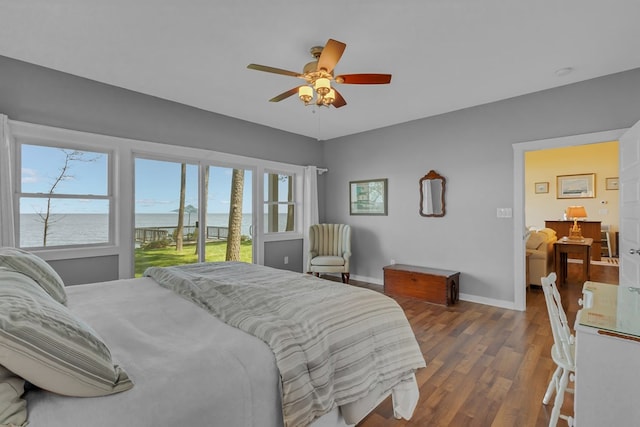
x=444, y=55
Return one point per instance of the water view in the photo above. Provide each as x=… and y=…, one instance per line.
x=74, y=229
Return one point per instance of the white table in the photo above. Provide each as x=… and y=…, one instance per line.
x=607, y=387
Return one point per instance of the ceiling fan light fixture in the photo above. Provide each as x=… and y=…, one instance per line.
x=329, y=97
x=322, y=86
x=305, y=93
x=318, y=75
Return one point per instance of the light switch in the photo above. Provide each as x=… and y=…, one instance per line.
x=504, y=213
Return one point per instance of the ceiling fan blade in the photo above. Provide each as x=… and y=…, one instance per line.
x=339, y=100
x=364, y=79
x=284, y=95
x=273, y=70
x=331, y=54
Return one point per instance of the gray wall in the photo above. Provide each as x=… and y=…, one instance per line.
x=275, y=253
x=472, y=148
x=40, y=95
x=86, y=270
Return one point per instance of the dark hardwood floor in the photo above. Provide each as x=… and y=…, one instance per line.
x=486, y=366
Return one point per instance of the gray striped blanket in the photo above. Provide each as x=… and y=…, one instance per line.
x=332, y=343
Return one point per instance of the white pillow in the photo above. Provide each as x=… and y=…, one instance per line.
x=35, y=267
x=13, y=408
x=43, y=342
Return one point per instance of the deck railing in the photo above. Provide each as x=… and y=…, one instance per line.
x=153, y=234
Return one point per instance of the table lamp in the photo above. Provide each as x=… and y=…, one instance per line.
x=575, y=212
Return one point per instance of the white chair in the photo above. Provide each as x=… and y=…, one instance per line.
x=329, y=249
x=562, y=351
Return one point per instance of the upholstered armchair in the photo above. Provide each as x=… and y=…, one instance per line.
x=329, y=249
x=540, y=254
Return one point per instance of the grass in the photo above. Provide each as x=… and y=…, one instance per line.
x=165, y=257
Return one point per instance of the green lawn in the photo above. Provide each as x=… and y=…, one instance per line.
x=164, y=257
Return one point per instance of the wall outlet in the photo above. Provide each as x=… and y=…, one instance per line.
x=393, y=261
x=286, y=260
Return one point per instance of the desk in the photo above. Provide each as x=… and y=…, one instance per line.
x=607, y=353
x=564, y=247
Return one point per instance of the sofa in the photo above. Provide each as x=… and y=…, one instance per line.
x=540, y=257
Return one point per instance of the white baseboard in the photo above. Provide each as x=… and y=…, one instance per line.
x=510, y=305
x=371, y=280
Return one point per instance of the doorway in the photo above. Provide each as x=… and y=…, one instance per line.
x=519, y=196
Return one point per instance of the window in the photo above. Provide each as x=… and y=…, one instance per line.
x=163, y=238
x=78, y=195
x=229, y=218
x=64, y=197
x=279, y=203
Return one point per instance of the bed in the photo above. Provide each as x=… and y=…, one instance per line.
x=189, y=362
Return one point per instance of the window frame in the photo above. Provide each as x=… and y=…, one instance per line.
x=297, y=177
x=19, y=194
x=124, y=151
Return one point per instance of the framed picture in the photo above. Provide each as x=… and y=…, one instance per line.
x=580, y=186
x=368, y=197
x=542, y=187
x=612, y=183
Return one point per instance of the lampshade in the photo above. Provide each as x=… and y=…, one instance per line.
x=322, y=86
x=305, y=93
x=329, y=97
x=576, y=212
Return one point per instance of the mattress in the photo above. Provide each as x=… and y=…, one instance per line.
x=189, y=368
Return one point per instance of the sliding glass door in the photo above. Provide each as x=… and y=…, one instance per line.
x=171, y=228
x=166, y=213
x=228, y=226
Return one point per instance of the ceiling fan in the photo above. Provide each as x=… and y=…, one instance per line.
x=318, y=75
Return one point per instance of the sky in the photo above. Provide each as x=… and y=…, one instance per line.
x=157, y=183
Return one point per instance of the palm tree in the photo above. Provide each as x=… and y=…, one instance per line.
x=290, y=207
x=204, y=207
x=235, y=216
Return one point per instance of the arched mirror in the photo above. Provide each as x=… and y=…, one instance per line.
x=432, y=187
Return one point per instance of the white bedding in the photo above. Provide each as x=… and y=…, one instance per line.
x=333, y=344
x=160, y=339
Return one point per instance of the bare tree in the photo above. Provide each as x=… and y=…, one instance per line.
x=70, y=156
x=235, y=216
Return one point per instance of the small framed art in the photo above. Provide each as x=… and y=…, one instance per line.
x=542, y=187
x=612, y=183
x=368, y=197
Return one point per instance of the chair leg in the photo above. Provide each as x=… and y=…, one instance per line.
x=345, y=278
x=557, y=404
x=551, y=388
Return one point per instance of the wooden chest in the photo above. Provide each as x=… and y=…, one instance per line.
x=428, y=284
